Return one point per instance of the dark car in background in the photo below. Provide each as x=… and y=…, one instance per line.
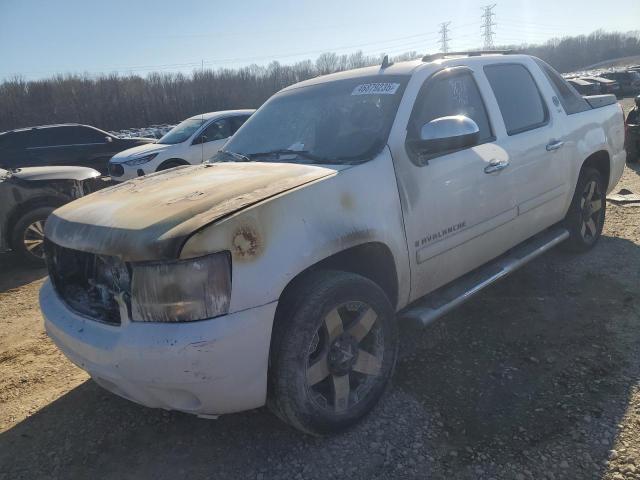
x=585, y=87
x=27, y=197
x=606, y=85
x=66, y=144
x=628, y=80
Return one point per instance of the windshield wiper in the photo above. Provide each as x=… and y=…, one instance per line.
x=237, y=156
x=287, y=151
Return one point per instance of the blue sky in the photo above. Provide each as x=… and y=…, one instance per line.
x=39, y=38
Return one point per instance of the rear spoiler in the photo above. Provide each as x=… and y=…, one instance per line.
x=597, y=101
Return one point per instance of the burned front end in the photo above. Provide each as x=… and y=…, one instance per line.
x=95, y=286
x=107, y=289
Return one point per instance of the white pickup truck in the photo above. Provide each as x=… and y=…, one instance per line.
x=275, y=273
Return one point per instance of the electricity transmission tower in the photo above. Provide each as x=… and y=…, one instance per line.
x=444, y=36
x=487, y=24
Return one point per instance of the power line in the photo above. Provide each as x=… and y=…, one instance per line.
x=444, y=36
x=487, y=24
x=380, y=44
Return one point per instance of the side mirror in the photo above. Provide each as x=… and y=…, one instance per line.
x=446, y=134
x=108, y=139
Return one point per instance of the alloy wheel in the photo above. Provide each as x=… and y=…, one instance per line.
x=591, y=211
x=345, y=357
x=34, y=239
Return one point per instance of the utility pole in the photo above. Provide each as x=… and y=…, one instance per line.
x=487, y=24
x=444, y=36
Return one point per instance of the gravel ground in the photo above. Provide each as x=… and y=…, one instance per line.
x=537, y=377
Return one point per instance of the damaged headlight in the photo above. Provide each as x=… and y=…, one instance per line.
x=140, y=160
x=182, y=290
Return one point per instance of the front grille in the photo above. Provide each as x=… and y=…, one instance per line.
x=116, y=170
x=95, y=286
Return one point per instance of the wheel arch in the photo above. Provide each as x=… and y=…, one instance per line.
x=601, y=161
x=373, y=260
x=180, y=161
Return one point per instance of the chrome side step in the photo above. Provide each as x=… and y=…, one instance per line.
x=434, y=305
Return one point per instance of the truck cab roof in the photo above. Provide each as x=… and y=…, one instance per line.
x=410, y=67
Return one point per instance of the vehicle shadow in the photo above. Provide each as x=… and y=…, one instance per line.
x=14, y=273
x=539, y=366
x=544, y=361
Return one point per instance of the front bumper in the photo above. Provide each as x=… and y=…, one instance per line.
x=119, y=172
x=209, y=367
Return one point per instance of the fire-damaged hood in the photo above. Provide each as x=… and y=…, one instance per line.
x=149, y=218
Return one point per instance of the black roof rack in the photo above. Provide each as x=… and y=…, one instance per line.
x=469, y=53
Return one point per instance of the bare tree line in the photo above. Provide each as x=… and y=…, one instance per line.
x=113, y=101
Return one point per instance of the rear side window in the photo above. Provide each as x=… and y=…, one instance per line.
x=570, y=99
x=82, y=135
x=518, y=97
x=453, y=94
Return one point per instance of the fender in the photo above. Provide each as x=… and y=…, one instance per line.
x=273, y=241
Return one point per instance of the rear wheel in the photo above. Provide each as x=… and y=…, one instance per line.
x=333, y=351
x=586, y=215
x=27, y=238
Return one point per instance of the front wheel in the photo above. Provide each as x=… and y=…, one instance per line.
x=585, y=218
x=27, y=238
x=333, y=351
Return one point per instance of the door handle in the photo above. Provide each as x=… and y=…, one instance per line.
x=554, y=145
x=496, y=166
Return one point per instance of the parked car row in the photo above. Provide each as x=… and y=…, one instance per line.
x=191, y=142
x=617, y=82
x=44, y=167
x=66, y=144
x=153, y=131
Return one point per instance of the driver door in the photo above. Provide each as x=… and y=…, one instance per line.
x=453, y=202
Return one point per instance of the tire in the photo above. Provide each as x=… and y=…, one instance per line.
x=586, y=215
x=170, y=164
x=27, y=236
x=633, y=151
x=321, y=381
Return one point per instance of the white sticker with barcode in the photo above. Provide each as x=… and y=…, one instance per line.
x=376, y=89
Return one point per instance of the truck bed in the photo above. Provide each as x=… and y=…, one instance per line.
x=598, y=101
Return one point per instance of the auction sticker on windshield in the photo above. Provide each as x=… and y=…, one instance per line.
x=376, y=89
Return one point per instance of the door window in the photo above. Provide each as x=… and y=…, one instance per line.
x=14, y=140
x=40, y=137
x=237, y=122
x=450, y=94
x=65, y=136
x=518, y=97
x=218, y=130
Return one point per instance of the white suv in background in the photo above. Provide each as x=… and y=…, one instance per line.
x=192, y=141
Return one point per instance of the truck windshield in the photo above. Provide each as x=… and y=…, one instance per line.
x=344, y=121
x=182, y=131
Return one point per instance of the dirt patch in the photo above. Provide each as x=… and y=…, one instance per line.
x=537, y=377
